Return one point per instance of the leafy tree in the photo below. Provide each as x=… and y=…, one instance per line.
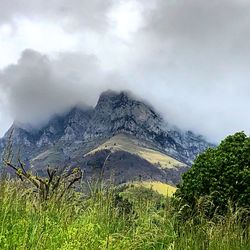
x=219, y=177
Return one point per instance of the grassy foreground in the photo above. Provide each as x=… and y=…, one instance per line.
x=135, y=218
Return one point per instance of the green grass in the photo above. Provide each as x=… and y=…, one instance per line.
x=106, y=219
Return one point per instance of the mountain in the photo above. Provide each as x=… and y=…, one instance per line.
x=137, y=141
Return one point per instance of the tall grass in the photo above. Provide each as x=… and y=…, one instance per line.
x=107, y=219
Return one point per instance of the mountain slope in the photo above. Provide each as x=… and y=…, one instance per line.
x=130, y=144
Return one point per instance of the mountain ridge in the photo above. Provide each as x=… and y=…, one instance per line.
x=67, y=138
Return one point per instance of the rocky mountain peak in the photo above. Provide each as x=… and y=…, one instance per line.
x=115, y=113
x=112, y=100
x=121, y=112
x=125, y=104
x=111, y=94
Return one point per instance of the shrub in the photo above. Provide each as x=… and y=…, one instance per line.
x=219, y=176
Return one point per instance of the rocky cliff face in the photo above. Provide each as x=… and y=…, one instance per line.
x=116, y=113
x=121, y=113
x=67, y=137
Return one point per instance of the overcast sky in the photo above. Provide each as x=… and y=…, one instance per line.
x=189, y=58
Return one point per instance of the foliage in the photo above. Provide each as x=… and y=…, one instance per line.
x=219, y=178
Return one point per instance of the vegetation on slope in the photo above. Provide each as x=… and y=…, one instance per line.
x=129, y=144
x=157, y=186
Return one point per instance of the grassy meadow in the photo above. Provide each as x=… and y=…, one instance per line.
x=109, y=218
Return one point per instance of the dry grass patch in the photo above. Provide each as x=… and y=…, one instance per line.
x=161, y=188
x=133, y=146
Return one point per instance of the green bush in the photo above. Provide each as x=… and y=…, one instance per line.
x=219, y=178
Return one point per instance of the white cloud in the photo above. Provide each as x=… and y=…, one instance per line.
x=125, y=18
x=74, y=14
x=33, y=34
x=189, y=58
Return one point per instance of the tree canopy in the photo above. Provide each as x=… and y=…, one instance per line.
x=220, y=175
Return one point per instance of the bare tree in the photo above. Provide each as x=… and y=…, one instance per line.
x=54, y=185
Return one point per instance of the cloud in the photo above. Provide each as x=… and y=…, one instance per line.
x=193, y=57
x=49, y=26
x=37, y=86
x=74, y=14
x=188, y=58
